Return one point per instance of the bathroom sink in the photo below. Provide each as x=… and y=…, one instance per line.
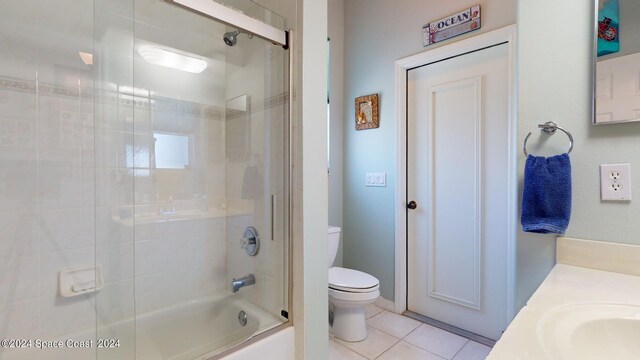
x=592, y=331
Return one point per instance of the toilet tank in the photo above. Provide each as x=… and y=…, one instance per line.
x=334, y=241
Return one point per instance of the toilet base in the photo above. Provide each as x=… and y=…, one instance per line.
x=349, y=322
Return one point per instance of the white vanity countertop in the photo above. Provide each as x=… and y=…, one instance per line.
x=565, y=285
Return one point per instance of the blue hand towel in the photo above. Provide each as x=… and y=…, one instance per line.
x=546, y=195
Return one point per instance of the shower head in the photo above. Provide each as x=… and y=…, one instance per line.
x=231, y=38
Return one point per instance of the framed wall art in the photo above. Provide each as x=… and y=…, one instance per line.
x=367, y=112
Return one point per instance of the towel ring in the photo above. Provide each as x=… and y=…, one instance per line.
x=550, y=128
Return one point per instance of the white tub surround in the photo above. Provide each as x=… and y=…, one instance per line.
x=588, y=307
x=184, y=331
x=279, y=346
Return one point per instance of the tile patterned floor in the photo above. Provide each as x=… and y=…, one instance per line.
x=396, y=337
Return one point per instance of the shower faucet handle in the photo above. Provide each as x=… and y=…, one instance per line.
x=250, y=241
x=247, y=242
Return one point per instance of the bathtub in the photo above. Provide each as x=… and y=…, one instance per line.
x=197, y=329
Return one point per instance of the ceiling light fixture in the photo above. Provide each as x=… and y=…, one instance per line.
x=167, y=58
x=87, y=58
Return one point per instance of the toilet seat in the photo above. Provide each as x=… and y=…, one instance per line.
x=353, y=298
x=352, y=281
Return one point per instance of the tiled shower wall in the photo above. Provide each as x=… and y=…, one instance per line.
x=46, y=170
x=71, y=172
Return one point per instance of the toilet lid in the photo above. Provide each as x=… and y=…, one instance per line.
x=351, y=280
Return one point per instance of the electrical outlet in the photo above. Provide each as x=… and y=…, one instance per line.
x=615, y=175
x=615, y=182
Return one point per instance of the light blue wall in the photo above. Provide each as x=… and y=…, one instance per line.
x=377, y=33
x=555, y=84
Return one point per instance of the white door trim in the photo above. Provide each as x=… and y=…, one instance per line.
x=507, y=35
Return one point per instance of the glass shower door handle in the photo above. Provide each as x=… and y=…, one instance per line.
x=273, y=217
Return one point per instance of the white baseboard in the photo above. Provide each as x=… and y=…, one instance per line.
x=386, y=304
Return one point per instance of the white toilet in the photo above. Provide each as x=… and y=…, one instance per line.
x=349, y=291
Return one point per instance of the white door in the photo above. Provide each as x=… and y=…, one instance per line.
x=457, y=174
x=618, y=89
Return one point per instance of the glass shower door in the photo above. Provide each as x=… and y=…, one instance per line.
x=46, y=178
x=257, y=172
x=135, y=149
x=201, y=142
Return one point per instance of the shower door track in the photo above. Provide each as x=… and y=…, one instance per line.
x=236, y=19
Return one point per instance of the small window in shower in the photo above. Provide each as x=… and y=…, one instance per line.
x=171, y=151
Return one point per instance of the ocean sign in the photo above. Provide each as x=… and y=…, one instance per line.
x=451, y=26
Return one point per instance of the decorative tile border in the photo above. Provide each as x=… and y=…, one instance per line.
x=268, y=103
x=162, y=104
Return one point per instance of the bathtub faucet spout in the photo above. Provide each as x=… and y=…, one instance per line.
x=246, y=280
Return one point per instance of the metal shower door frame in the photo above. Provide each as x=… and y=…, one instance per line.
x=236, y=19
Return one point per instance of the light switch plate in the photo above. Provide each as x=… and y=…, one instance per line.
x=376, y=179
x=615, y=182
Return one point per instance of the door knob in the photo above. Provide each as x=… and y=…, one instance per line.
x=412, y=205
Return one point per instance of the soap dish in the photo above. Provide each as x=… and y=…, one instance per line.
x=80, y=280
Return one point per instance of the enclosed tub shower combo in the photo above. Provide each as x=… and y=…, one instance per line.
x=144, y=178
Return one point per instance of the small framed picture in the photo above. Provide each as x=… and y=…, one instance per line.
x=367, y=112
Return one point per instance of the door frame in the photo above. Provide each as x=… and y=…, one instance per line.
x=506, y=35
